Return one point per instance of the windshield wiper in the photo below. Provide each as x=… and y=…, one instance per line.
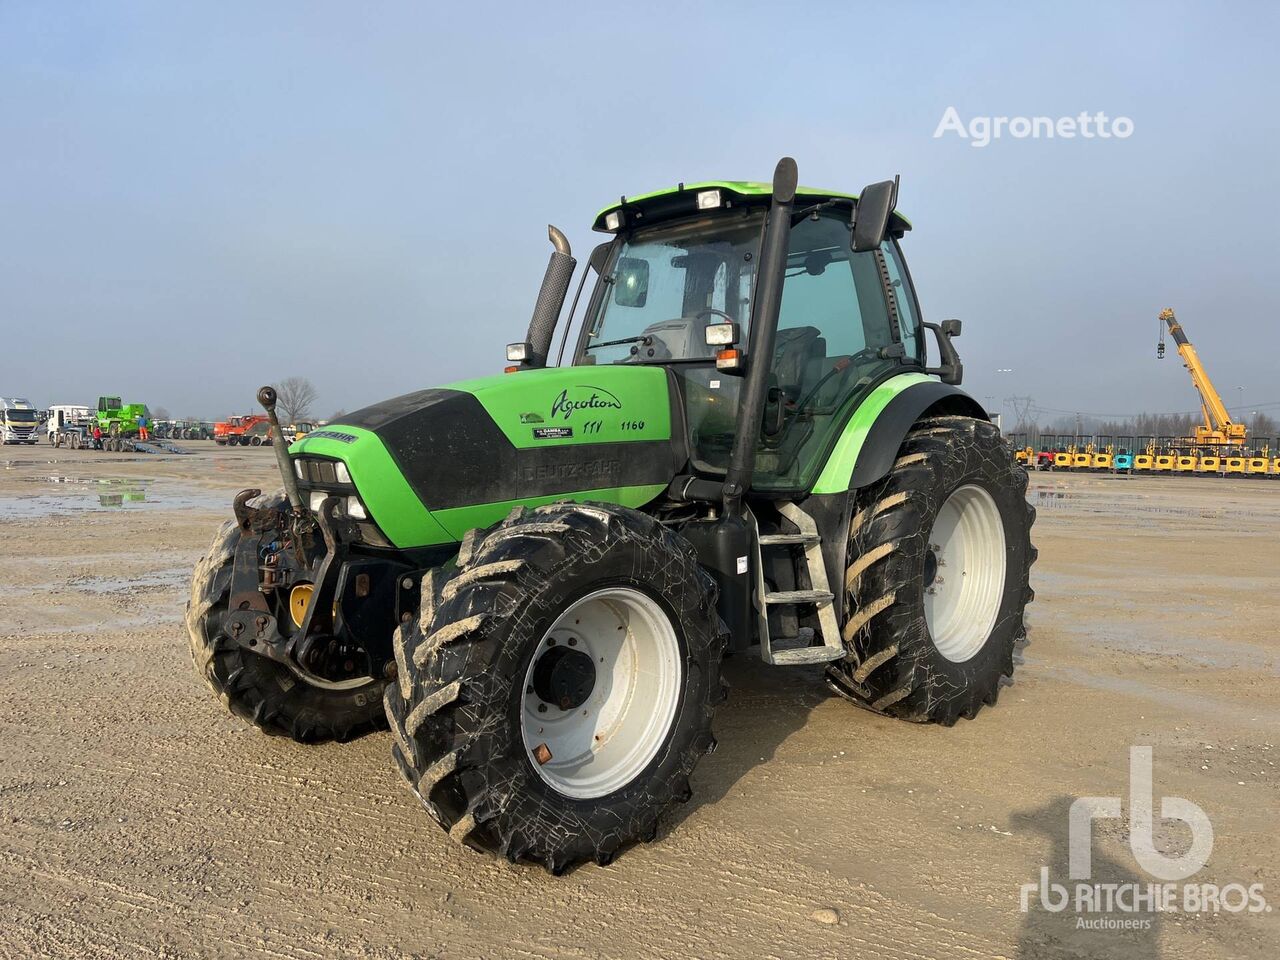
x=646, y=339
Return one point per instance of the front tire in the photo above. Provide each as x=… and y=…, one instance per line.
x=535, y=634
x=259, y=691
x=938, y=578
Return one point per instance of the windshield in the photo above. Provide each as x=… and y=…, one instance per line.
x=20, y=416
x=668, y=283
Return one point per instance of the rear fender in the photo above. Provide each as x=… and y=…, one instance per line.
x=866, y=452
x=870, y=441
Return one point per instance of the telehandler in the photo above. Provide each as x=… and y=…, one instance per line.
x=533, y=577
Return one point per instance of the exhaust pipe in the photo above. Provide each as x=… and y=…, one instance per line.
x=764, y=327
x=546, y=312
x=267, y=397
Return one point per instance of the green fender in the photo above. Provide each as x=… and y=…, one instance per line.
x=871, y=438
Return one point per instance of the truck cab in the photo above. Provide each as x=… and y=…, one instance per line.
x=18, y=420
x=66, y=419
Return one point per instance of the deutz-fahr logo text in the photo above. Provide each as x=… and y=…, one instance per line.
x=583, y=398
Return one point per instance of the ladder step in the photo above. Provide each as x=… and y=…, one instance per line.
x=801, y=655
x=819, y=597
x=786, y=539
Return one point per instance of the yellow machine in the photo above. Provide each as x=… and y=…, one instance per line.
x=1185, y=461
x=1083, y=459
x=1258, y=462
x=1218, y=428
x=1234, y=464
x=1145, y=458
x=1209, y=463
x=1065, y=457
x=1103, y=455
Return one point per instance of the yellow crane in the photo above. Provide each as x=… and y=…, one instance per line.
x=1218, y=428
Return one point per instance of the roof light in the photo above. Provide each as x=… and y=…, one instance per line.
x=708, y=199
x=517, y=352
x=613, y=220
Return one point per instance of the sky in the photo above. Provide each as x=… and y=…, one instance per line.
x=199, y=199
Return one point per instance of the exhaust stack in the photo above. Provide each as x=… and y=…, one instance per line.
x=764, y=328
x=267, y=397
x=555, y=284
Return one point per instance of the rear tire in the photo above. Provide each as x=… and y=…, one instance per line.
x=257, y=690
x=468, y=684
x=938, y=577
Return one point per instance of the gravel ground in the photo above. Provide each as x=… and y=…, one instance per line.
x=137, y=819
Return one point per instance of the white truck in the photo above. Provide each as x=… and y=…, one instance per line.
x=69, y=425
x=18, y=420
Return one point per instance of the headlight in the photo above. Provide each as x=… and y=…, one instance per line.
x=355, y=509
x=318, y=497
x=297, y=468
x=344, y=476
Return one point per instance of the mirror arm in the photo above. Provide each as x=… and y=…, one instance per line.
x=951, y=371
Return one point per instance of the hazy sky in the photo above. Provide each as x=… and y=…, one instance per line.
x=192, y=204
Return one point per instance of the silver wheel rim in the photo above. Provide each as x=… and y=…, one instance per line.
x=603, y=743
x=962, y=598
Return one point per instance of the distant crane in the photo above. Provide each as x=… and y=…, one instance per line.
x=1218, y=428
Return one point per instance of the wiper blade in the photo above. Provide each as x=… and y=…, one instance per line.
x=646, y=340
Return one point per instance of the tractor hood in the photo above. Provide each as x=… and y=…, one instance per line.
x=431, y=465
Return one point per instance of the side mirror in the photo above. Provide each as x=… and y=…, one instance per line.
x=599, y=256
x=951, y=370
x=775, y=413
x=631, y=282
x=871, y=218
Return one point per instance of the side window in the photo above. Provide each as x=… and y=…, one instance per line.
x=908, y=318
x=819, y=292
x=833, y=323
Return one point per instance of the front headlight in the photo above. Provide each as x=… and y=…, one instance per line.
x=355, y=509
x=344, y=475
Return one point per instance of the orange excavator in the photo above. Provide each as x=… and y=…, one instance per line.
x=251, y=430
x=1218, y=428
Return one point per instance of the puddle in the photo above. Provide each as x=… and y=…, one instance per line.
x=1111, y=504
x=156, y=579
x=104, y=494
x=1198, y=649
x=106, y=481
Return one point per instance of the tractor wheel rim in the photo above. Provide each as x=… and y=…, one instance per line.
x=618, y=673
x=962, y=599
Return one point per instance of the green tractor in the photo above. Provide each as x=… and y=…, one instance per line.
x=533, y=578
x=118, y=419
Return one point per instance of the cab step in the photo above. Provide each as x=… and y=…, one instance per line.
x=796, y=656
x=800, y=596
x=809, y=566
x=788, y=539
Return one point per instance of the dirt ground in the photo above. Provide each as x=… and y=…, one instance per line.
x=137, y=819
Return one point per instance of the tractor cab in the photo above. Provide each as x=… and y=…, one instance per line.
x=676, y=289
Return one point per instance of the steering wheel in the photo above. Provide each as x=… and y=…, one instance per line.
x=712, y=311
